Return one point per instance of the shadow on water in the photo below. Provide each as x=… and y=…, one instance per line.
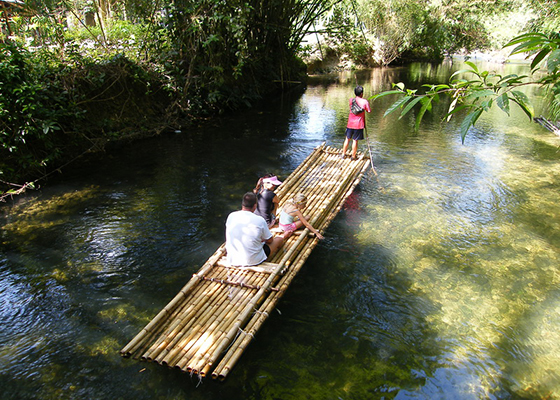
x=342, y=330
x=437, y=280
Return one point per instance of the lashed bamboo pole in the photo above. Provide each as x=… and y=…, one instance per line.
x=213, y=330
x=235, y=352
x=180, y=343
x=237, y=348
x=201, y=305
x=232, y=283
x=227, y=338
x=317, y=200
x=223, y=320
x=232, y=350
x=222, y=323
x=301, y=180
x=288, y=183
x=331, y=167
x=158, y=323
x=318, y=180
x=295, y=181
x=135, y=343
x=178, y=324
x=193, y=305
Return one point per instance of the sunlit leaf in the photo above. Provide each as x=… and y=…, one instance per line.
x=461, y=71
x=410, y=105
x=452, y=108
x=469, y=121
x=553, y=61
x=525, y=37
x=383, y=94
x=503, y=102
x=472, y=65
x=426, y=106
x=539, y=57
x=511, y=79
x=523, y=101
x=478, y=94
x=397, y=104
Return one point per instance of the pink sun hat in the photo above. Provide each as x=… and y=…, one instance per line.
x=273, y=180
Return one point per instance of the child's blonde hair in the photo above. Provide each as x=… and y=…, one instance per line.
x=292, y=203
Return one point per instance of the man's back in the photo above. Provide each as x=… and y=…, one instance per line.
x=245, y=234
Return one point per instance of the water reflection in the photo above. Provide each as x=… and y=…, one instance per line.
x=444, y=284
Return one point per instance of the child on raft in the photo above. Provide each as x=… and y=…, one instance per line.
x=291, y=217
x=267, y=200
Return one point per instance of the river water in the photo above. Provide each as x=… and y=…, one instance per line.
x=439, y=279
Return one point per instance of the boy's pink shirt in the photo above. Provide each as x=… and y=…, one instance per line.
x=358, y=121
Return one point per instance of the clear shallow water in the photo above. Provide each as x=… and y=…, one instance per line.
x=438, y=280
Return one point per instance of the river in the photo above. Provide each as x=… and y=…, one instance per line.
x=439, y=279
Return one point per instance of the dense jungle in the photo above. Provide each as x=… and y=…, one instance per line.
x=76, y=77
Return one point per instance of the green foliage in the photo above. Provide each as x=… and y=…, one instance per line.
x=393, y=30
x=227, y=54
x=52, y=109
x=475, y=91
x=547, y=16
x=33, y=101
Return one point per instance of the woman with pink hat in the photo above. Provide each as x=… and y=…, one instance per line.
x=267, y=201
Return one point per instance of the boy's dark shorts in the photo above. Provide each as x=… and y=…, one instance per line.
x=355, y=134
x=266, y=249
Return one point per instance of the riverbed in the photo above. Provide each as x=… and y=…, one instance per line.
x=439, y=279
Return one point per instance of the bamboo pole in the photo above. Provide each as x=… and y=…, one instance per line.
x=135, y=343
x=232, y=283
x=316, y=200
x=206, y=337
x=211, y=328
x=226, y=340
x=293, y=176
x=195, y=304
x=222, y=323
x=237, y=348
x=185, y=322
x=235, y=352
x=298, y=181
x=221, y=308
x=189, y=330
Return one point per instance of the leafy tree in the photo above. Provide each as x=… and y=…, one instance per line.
x=412, y=29
x=218, y=47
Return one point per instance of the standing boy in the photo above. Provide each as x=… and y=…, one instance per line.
x=356, y=123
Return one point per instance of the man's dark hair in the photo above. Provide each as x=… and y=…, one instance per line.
x=249, y=200
x=359, y=90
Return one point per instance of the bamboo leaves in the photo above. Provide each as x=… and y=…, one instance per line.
x=473, y=96
x=475, y=91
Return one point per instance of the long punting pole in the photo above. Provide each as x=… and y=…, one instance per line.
x=219, y=310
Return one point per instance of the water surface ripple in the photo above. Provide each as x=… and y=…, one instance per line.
x=438, y=279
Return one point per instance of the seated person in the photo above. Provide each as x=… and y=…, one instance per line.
x=291, y=217
x=267, y=201
x=248, y=239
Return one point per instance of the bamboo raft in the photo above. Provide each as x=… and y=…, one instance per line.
x=214, y=317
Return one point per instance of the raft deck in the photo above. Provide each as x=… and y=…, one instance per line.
x=214, y=317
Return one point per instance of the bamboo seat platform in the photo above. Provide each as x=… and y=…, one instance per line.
x=206, y=327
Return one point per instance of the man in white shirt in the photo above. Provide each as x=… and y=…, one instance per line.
x=248, y=239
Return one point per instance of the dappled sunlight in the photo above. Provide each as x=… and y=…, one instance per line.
x=29, y=219
x=442, y=285
x=457, y=243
